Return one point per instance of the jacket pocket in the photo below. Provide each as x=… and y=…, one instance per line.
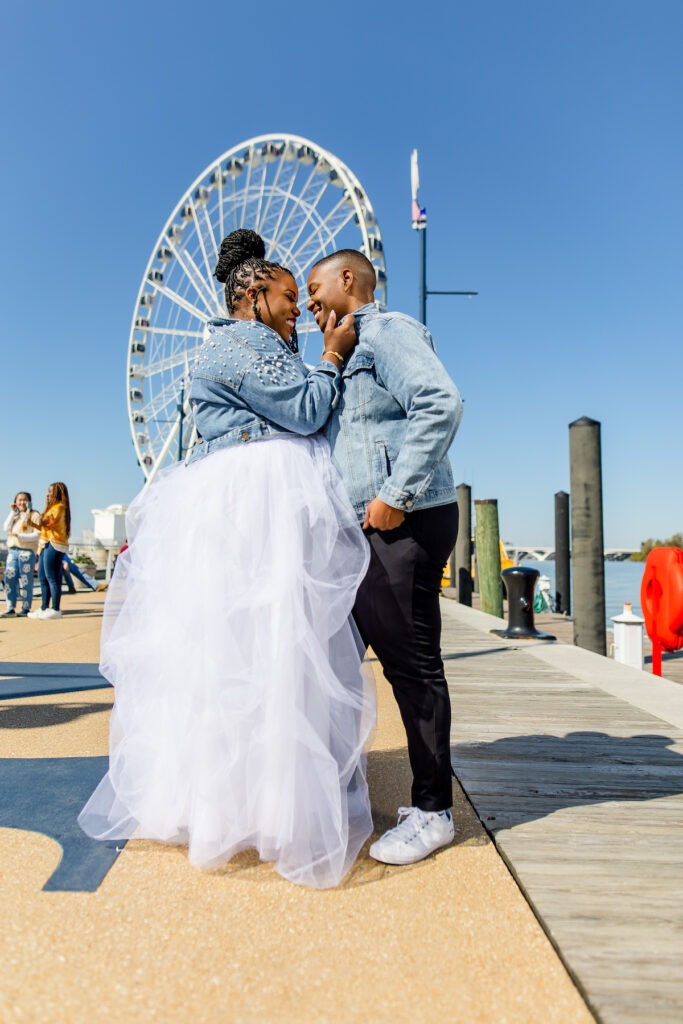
x=382, y=466
x=357, y=382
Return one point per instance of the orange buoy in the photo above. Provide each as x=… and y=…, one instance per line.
x=661, y=598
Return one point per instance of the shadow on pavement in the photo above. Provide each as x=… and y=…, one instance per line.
x=33, y=679
x=45, y=794
x=519, y=779
x=38, y=716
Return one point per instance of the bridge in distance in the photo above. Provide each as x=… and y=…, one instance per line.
x=536, y=553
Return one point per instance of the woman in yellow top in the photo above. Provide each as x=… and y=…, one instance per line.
x=55, y=527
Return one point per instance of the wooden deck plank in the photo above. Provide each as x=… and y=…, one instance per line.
x=583, y=794
x=562, y=627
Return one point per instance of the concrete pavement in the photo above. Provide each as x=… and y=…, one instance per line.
x=155, y=939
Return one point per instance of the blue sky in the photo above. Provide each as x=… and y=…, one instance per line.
x=551, y=167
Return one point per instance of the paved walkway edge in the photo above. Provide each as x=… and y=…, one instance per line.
x=659, y=697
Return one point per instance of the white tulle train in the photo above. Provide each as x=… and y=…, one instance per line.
x=241, y=715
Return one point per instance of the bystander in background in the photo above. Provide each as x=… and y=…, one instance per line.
x=55, y=527
x=22, y=548
x=71, y=568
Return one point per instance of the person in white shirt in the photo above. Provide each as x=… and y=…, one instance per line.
x=22, y=550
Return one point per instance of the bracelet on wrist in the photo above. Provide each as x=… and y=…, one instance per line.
x=329, y=352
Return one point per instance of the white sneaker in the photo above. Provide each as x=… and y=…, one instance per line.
x=37, y=614
x=51, y=613
x=417, y=834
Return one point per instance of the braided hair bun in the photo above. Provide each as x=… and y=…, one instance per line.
x=241, y=264
x=238, y=247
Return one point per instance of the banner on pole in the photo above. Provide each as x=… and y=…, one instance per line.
x=419, y=214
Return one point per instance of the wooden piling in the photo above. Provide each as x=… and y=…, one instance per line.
x=462, y=578
x=562, y=585
x=588, y=566
x=488, y=556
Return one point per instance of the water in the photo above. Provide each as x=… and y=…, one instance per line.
x=622, y=583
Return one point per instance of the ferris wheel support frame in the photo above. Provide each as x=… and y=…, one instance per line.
x=192, y=207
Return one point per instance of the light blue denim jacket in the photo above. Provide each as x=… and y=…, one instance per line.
x=399, y=410
x=247, y=384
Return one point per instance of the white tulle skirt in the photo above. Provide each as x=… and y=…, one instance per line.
x=242, y=715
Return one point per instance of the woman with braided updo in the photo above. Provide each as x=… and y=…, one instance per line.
x=242, y=715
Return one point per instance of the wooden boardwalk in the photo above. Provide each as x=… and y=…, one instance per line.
x=562, y=626
x=581, y=786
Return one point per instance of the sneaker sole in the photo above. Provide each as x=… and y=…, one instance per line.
x=410, y=860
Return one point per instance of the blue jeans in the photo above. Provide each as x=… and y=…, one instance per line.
x=82, y=576
x=19, y=578
x=50, y=576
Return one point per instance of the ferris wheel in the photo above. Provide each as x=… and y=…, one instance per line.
x=302, y=200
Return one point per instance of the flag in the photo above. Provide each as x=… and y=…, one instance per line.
x=418, y=213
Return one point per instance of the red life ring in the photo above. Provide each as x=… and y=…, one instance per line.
x=661, y=597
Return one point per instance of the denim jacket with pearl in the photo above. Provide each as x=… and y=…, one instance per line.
x=247, y=384
x=398, y=413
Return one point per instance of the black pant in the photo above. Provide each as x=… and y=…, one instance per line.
x=398, y=615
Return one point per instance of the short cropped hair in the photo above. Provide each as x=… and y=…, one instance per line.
x=360, y=262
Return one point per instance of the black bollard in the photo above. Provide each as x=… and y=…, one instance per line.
x=519, y=582
x=562, y=588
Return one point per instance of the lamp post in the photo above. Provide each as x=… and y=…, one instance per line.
x=419, y=216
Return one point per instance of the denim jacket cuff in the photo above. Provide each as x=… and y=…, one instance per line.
x=325, y=366
x=397, y=499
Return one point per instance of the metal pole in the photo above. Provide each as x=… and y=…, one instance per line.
x=488, y=556
x=462, y=577
x=181, y=413
x=423, y=275
x=419, y=218
x=588, y=566
x=562, y=587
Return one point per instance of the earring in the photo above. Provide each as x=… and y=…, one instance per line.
x=293, y=342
